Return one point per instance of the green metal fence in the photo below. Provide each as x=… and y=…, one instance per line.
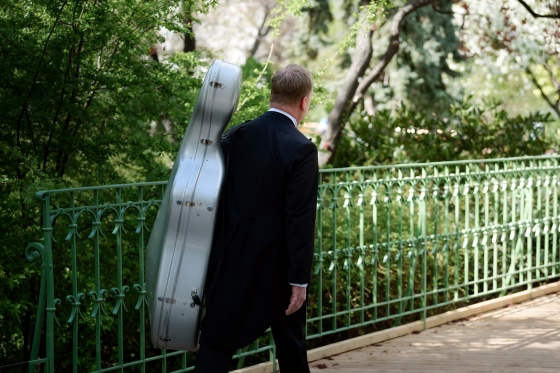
x=393, y=244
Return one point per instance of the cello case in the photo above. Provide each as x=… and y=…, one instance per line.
x=178, y=250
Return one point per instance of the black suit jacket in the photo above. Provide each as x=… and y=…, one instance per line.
x=264, y=237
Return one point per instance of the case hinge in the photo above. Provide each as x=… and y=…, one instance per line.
x=196, y=298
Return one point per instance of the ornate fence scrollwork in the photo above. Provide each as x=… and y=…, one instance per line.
x=393, y=244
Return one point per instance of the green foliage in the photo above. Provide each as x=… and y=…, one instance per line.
x=255, y=91
x=428, y=42
x=373, y=12
x=428, y=38
x=77, y=96
x=284, y=9
x=466, y=132
x=319, y=18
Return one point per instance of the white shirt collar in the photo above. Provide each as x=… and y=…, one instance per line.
x=286, y=114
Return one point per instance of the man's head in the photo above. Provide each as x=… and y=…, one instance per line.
x=291, y=91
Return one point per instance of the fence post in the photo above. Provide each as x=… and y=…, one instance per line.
x=33, y=252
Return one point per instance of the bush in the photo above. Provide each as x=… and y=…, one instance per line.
x=466, y=132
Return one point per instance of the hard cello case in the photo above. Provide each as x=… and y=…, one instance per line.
x=178, y=250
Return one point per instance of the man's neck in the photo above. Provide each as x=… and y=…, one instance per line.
x=292, y=119
x=288, y=109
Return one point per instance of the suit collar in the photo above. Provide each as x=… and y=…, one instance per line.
x=294, y=120
x=278, y=116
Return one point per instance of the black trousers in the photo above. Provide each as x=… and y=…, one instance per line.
x=289, y=337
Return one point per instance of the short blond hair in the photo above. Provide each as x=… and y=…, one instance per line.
x=290, y=84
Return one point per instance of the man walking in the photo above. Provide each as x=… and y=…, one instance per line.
x=264, y=239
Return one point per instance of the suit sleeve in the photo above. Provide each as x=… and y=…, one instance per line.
x=300, y=211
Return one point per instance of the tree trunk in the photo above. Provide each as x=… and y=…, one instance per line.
x=337, y=116
x=190, y=41
x=262, y=31
x=553, y=103
x=393, y=48
x=370, y=105
x=352, y=91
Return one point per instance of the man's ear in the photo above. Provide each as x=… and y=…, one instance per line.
x=303, y=103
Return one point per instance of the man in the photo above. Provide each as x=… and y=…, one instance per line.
x=264, y=239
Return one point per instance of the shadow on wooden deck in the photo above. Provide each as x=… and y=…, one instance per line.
x=516, y=338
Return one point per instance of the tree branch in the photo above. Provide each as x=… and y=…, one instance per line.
x=46, y=151
x=535, y=15
x=441, y=11
x=553, y=79
x=393, y=48
x=554, y=107
x=63, y=157
x=262, y=31
x=360, y=62
x=36, y=76
x=352, y=90
x=30, y=129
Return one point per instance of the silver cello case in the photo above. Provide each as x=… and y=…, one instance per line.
x=178, y=250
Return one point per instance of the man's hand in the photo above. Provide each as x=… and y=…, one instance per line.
x=297, y=299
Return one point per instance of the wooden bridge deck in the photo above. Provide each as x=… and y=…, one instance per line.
x=519, y=338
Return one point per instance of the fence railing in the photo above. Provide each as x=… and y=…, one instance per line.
x=393, y=244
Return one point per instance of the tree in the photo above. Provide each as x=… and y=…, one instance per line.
x=238, y=30
x=516, y=37
x=360, y=76
x=77, y=92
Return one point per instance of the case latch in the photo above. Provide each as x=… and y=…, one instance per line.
x=206, y=142
x=217, y=85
